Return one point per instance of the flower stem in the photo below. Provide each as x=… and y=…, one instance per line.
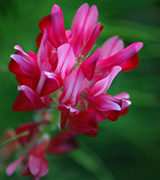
x=14, y=138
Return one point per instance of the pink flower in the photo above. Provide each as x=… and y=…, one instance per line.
x=65, y=75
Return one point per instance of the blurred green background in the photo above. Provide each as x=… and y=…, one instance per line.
x=127, y=149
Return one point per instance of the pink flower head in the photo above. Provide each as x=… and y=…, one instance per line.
x=65, y=75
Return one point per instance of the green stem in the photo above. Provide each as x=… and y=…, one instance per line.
x=14, y=138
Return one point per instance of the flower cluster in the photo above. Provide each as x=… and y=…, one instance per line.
x=66, y=75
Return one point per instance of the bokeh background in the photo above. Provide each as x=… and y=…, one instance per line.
x=127, y=149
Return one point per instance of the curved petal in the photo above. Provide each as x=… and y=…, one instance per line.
x=37, y=162
x=42, y=55
x=102, y=85
x=90, y=22
x=83, y=25
x=107, y=106
x=28, y=81
x=80, y=18
x=111, y=47
x=27, y=100
x=66, y=60
x=73, y=85
x=95, y=34
x=66, y=111
x=46, y=23
x=58, y=28
x=10, y=169
x=125, y=102
x=26, y=65
x=51, y=83
x=120, y=57
x=88, y=66
x=131, y=63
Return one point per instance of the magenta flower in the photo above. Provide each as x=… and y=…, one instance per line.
x=65, y=75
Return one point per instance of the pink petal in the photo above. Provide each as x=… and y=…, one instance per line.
x=58, y=28
x=88, y=66
x=20, y=60
x=120, y=57
x=14, y=68
x=123, y=95
x=66, y=111
x=66, y=60
x=46, y=22
x=43, y=168
x=82, y=27
x=102, y=85
x=42, y=54
x=68, y=33
x=43, y=67
x=28, y=81
x=73, y=85
x=51, y=84
x=10, y=169
x=111, y=47
x=95, y=34
x=34, y=162
x=80, y=18
x=131, y=63
x=27, y=100
x=84, y=122
x=105, y=102
x=90, y=22
x=31, y=56
x=125, y=102
x=26, y=66
x=106, y=106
